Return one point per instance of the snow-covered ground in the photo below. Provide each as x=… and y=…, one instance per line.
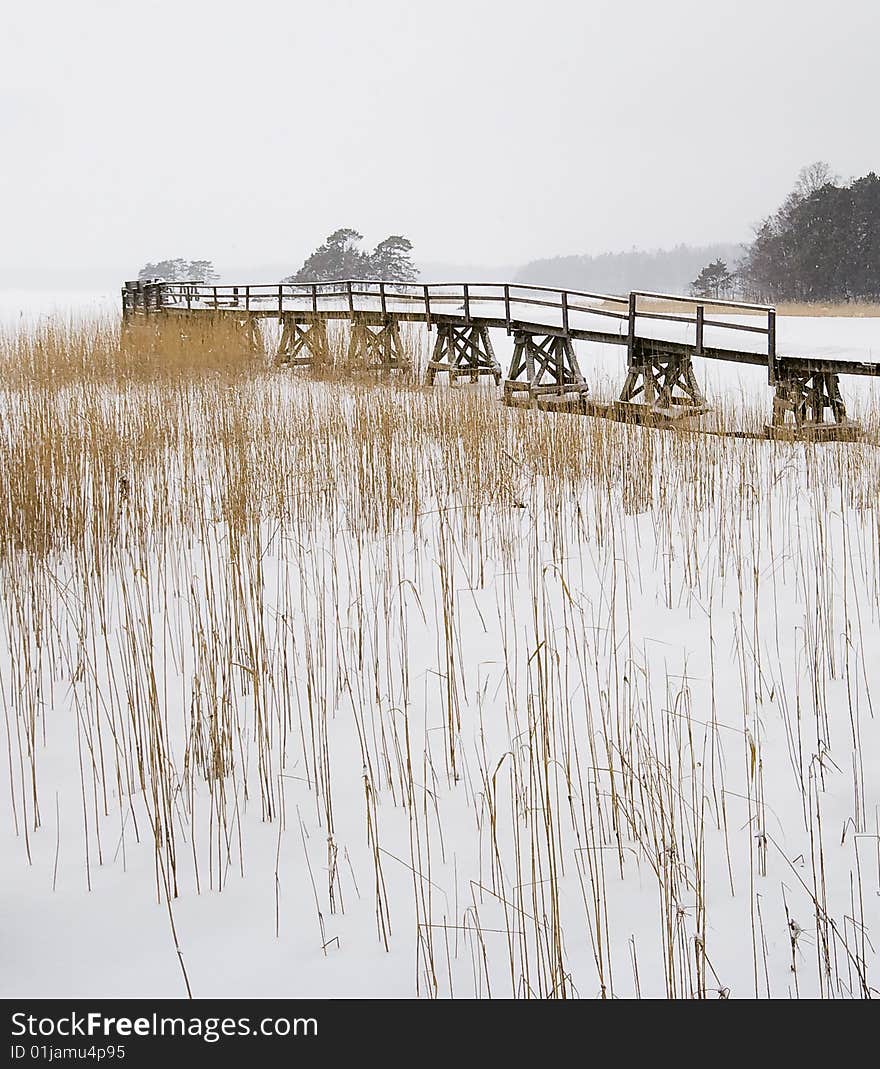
x=382, y=692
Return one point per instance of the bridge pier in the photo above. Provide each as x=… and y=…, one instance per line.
x=375, y=345
x=463, y=352
x=251, y=334
x=803, y=399
x=303, y=342
x=544, y=371
x=660, y=383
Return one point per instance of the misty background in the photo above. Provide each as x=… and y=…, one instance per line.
x=506, y=140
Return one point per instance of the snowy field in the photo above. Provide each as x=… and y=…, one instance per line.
x=323, y=688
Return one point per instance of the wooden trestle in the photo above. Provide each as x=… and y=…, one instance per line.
x=660, y=385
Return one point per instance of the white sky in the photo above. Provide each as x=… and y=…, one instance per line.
x=488, y=132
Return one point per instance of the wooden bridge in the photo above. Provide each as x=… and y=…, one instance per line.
x=663, y=335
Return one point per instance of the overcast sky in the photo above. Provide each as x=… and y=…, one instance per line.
x=488, y=132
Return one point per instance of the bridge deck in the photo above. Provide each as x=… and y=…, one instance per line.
x=714, y=330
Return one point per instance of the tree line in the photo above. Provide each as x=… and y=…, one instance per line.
x=665, y=270
x=822, y=244
x=340, y=256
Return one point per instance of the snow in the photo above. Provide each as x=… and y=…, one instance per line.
x=718, y=649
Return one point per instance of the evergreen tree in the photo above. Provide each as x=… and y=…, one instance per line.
x=163, y=270
x=340, y=257
x=179, y=270
x=865, y=235
x=715, y=280
x=822, y=245
x=391, y=260
x=202, y=271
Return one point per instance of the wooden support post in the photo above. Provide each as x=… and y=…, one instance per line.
x=463, y=352
x=303, y=342
x=507, y=307
x=660, y=383
x=467, y=303
x=698, y=349
x=771, y=346
x=376, y=345
x=382, y=298
x=252, y=335
x=129, y=293
x=427, y=307
x=631, y=329
x=544, y=371
x=802, y=400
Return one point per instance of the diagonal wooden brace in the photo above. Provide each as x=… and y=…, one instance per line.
x=544, y=370
x=376, y=345
x=463, y=352
x=303, y=342
x=662, y=381
x=808, y=404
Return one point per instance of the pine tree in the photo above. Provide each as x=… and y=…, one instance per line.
x=179, y=270
x=202, y=271
x=391, y=260
x=340, y=257
x=715, y=280
x=823, y=244
x=164, y=271
x=865, y=236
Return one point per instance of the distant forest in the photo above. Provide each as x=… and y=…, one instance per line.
x=662, y=270
x=823, y=244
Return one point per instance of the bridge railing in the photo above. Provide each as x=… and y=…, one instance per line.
x=368, y=295
x=512, y=305
x=699, y=321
